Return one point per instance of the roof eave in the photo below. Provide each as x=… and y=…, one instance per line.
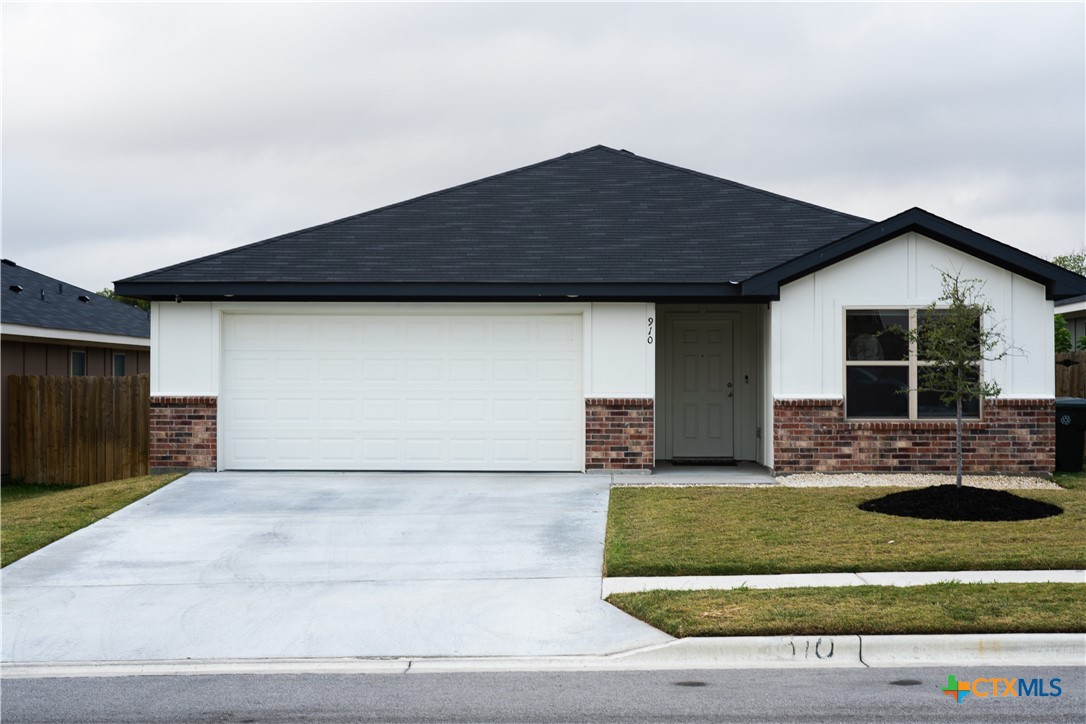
x=1059, y=283
x=434, y=292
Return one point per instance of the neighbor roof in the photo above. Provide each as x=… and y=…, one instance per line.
x=45, y=302
x=594, y=218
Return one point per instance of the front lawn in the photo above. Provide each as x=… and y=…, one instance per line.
x=943, y=608
x=726, y=531
x=33, y=516
x=1073, y=481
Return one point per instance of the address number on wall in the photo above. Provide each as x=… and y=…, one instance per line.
x=650, y=338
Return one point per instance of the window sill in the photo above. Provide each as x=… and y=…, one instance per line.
x=898, y=423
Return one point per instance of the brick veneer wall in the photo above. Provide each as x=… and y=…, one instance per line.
x=619, y=434
x=1014, y=436
x=183, y=433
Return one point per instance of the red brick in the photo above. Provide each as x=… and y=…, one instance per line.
x=1014, y=436
x=183, y=432
x=619, y=434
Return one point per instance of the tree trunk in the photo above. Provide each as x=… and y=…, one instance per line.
x=958, y=443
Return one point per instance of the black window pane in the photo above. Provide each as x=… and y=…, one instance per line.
x=929, y=405
x=79, y=364
x=118, y=365
x=876, y=334
x=877, y=391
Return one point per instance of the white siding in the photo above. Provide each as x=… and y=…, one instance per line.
x=807, y=322
x=184, y=351
x=623, y=361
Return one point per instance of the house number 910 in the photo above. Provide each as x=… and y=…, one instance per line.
x=650, y=330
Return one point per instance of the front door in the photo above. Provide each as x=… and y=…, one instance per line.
x=702, y=389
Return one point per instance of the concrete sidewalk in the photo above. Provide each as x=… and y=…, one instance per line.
x=805, y=580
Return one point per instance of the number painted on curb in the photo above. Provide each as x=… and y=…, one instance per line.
x=823, y=648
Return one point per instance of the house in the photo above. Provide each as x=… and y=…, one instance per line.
x=596, y=311
x=49, y=327
x=1073, y=310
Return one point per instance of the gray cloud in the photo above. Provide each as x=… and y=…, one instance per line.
x=139, y=135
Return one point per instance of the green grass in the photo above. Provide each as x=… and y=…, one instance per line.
x=33, y=516
x=722, y=531
x=1071, y=481
x=943, y=608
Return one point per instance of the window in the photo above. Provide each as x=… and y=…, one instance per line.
x=118, y=364
x=79, y=363
x=882, y=368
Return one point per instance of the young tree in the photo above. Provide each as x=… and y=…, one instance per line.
x=952, y=338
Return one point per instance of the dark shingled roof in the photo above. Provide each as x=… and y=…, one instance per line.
x=596, y=224
x=595, y=216
x=52, y=304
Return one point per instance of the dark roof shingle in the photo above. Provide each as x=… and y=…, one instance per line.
x=52, y=304
x=595, y=216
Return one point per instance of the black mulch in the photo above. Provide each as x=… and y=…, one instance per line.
x=948, y=502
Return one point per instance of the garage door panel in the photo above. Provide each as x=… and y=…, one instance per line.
x=413, y=392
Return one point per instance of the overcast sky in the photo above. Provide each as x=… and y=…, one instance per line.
x=140, y=135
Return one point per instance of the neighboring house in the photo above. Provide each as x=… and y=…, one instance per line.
x=596, y=311
x=49, y=327
x=1073, y=310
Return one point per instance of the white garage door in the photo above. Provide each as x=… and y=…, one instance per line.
x=401, y=392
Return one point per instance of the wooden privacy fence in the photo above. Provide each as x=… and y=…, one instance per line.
x=1071, y=378
x=78, y=430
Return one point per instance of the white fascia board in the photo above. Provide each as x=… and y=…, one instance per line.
x=1075, y=308
x=69, y=335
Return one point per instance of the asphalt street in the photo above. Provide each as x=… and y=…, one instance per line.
x=767, y=695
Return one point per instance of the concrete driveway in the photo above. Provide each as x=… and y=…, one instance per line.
x=253, y=565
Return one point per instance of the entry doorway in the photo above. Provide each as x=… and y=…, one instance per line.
x=709, y=383
x=702, y=389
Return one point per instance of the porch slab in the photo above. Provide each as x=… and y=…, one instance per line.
x=666, y=473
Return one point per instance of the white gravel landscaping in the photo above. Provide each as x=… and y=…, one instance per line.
x=911, y=480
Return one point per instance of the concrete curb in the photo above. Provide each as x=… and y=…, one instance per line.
x=741, y=652
x=804, y=580
x=975, y=649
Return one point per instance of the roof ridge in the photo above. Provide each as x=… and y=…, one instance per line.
x=735, y=184
x=362, y=214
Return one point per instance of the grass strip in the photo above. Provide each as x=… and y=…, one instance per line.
x=942, y=608
x=33, y=516
x=735, y=531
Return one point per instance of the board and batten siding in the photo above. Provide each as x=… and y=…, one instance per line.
x=807, y=324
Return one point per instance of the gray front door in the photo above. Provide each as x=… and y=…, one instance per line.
x=702, y=389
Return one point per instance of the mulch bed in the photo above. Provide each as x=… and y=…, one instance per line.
x=948, y=502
